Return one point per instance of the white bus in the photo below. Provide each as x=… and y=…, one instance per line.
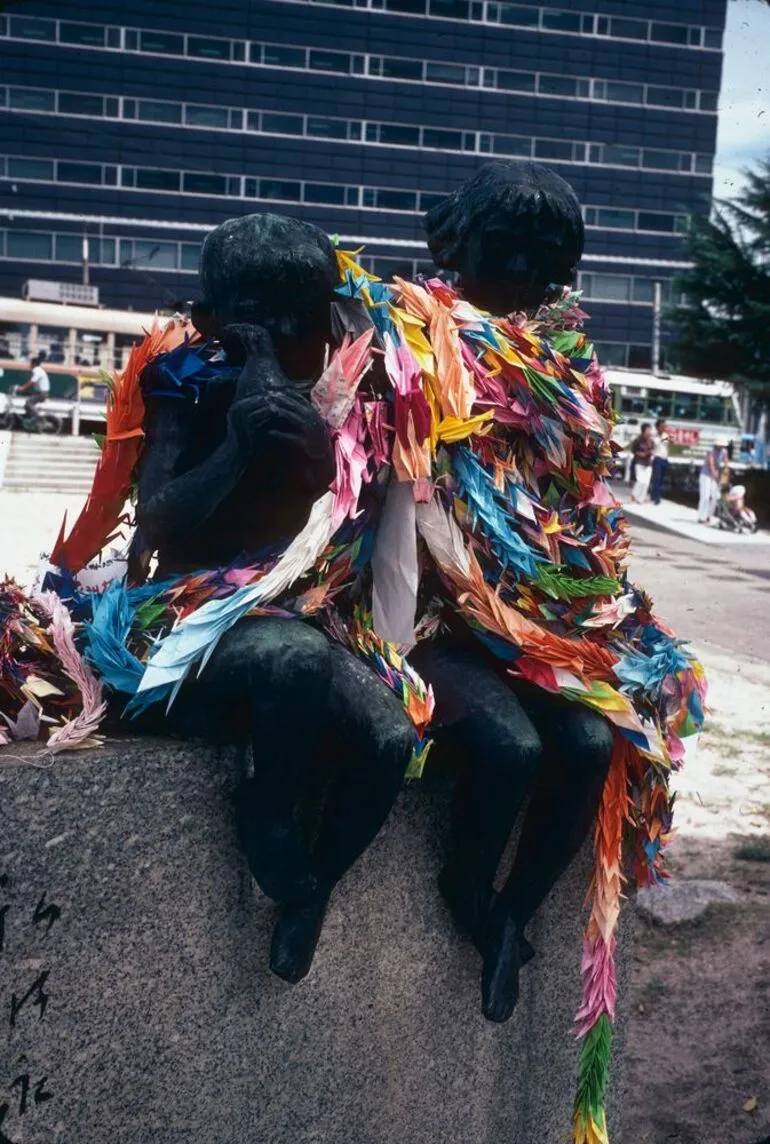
x=698, y=414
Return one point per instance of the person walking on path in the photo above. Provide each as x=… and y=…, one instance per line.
x=643, y=449
x=708, y=482
x=659, y=460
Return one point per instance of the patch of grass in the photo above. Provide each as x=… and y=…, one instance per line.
x=717, y=730
x=758, y=850
x=723, y=772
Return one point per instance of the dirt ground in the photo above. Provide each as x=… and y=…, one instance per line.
x=699, y=1038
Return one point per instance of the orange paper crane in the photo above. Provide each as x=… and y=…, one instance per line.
x=103, y=510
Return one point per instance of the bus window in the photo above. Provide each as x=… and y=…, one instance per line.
x=712, y=408
x=685, y=407
x=660, y=404
x=730, y=418
x=633, y=403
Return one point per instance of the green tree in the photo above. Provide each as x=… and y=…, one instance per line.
x=724, y=329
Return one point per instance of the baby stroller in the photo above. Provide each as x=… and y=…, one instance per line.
x=732, y=512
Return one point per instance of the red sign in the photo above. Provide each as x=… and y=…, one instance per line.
x=679, y=436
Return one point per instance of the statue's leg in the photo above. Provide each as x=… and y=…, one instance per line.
x=278, y=671
x=371, y=741
x=577, y=752
x=479, y=720
x=577, y=746
x=479, y=716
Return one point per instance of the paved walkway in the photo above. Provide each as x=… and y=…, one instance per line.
x=678, y=518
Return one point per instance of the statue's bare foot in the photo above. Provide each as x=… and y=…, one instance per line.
x=470, y=905
x=276, y=855
x=296, y=935
x=502, y=962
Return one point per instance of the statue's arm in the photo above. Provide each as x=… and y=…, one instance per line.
x=171, y=503
x=268, y=422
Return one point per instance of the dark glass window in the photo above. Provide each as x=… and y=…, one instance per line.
x=72, y=103
x=169, y=43
x=129, y=109
x=436, y=137
x=88, y=34
x=561, y=21
x=393, y=68
x=629, y=29
x=250, y=189
x=450, y=9
x=28, y=244
x=401, y=134
x=624, y=92
x=279, y=189
x=615, y=219
x=208, y=49
x=663, y=160
x=197, y=183
x=30, y=168
x=330, y=61
x=29, y=28
x=518, y=16
x=280, y=124
x=412, y=7
x=669, y=33
x=397, y=200
x=445, y=73
x=611, y=353
x=324, y=193
x=128, y=177
x=113, y=37
x=644, y=290
x=369, y=197
x=131, y=40
x=652, y=220
x=21, y=99
x=639, y=357
x=610, y=287
x=190, y=256
x=712, y=408
x=665, y=96
x=276, y=56
x=429, y=200
x=602, y=26
x=111, y=107
x=515, y=81
x=79, y=173
x=512, y=145
x=557, y=85
x=712, y=37
x=150, y=179
x=69, y=248
x=704, y=164
x=234, y=186
x=552, y=149
x=685, y=406
x=199, y=116
x=326, y=128
x=152, y=111
x=621, y=156
x=161, y=255
x=103, y=250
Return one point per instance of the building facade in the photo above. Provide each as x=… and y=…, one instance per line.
x=141, y=125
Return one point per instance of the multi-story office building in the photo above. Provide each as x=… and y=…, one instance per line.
x=142, y=124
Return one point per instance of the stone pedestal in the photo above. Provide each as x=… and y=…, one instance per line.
x=137, y=1006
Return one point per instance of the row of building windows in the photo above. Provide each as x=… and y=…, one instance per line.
x=42, y=246
x=369, y=66
x=478, y=11
x=27, y=169
x=366, y=131
x=544, y=20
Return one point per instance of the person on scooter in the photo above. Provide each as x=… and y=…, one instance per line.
x=38, y=387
